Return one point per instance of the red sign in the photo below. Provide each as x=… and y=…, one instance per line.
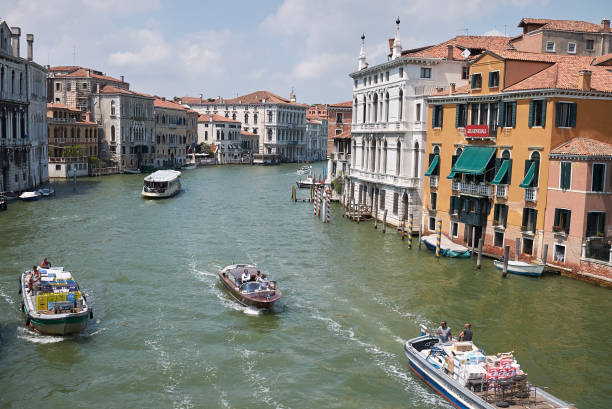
x=477, y=131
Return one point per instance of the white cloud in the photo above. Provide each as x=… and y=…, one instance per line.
x=317, y=66
x=493, y=33
x=151, y=49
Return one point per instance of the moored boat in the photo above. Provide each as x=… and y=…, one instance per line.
x=309, y=182
x=304, y=170
x=10, y=195
x=250, y=293
x=448, y=248
x=190, y=166
x=162, y=183
x=46, y=191
x=29, y=196
x=521, y=268
x=58, y=307
x=469, y=379
x=129, y=171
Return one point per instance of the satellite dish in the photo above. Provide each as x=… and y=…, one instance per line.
x=465, y=53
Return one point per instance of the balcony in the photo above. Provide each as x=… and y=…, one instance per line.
x=531, y=194
x=341, y=156
x=394, y=180
x=433, y=181
x=501, y=192
x=473, y=188
x=454, y=185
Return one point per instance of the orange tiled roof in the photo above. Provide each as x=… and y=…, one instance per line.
x=163, y=103
x=245, y=133
x=603, y=60
x=256, y=97
x=584, y=147
x=343, y=135
x=215, y=118
x=109, y=89
x=347, y=104
x=465, y=89
x=460, y=43
x=51, y=105
x=83, y=73
x=61, y=68
x=563, y=25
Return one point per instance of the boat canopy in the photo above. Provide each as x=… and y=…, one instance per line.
x=529, y=176
x=473, y=160
x=434, y=164
x=503, y=169
x=162, y=176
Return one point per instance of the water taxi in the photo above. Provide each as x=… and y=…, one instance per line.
x=162, y=183
x=58, y=307
x=258, y=294
x=469, y=379
x=521, y=268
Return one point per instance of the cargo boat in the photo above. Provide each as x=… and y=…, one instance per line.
x=468, y=379
x=59, y=308
x=161, y=184
x=250, y=293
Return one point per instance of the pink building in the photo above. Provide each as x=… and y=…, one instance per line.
x=578, y=219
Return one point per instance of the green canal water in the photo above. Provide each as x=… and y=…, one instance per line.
x=165, y=335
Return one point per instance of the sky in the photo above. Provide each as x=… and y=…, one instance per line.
x=222, y=48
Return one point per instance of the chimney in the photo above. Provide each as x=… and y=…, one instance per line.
x=15, y=34
x=201, y=97
x=30, y=40
x=88, y=73
x=451, y=90
x=97, y=88
x=122, y=78
x=605, y=23
x=584, y=80
x=449, y=51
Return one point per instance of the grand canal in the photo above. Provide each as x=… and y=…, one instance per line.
x=165, y=335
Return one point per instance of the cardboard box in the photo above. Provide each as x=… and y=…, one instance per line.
x=463, y=346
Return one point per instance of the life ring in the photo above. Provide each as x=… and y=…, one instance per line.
x=91, y=313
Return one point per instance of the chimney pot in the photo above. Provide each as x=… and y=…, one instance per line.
x=606, y=25
x=15, y=34
x=584, y=80
x=30, y=40
x=97, y=88
x=449, y=51
x=122, y=79
x=451, y=89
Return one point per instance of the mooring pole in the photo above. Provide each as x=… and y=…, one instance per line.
x=420, y=239
x=385, y=221
x=438, y=236
x=517, y=246
x=506, y=257
x=376, y=215
x=545, y=255
x=410, y=231
x=479, y=259
x=473, y=240
x=403, y=227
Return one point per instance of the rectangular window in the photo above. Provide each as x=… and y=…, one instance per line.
x=68, y=86
x=527, y=246
x=500, y=215
x=454, y=229
x=432, y=224
x=550, y=47
x=425, y=72
x=401, y=72
x=498, y=239
x=437, y=116
x=509, y=114
x=494, y=79
x=476, y=81
x=418, y=112
x=461, y=116
x=58, y=86
x=590, y=45
x=530, y=216
x=559, y=254
x=537, y=112
x=395, y=202
x=571, y=48
x=596, y=222
x=599, y=176
x=475, y=114
x=562, y=220
x=566, y=115
x=565, y=178
x=58, y=167
x=387, y=75
x=465, y=73
x=433, y=200
x=382, y=199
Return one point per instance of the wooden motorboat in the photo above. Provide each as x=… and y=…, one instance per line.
x=29, y=196
x=161, y=184
x=46, y=191
x=447, y=247
x=521, y=268
x=10, y=195
x=251, y=293
x=309, y=182
x=469, y=379
x=304, y=170
x=58, y=307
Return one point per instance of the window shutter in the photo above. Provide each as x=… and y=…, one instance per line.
x=454, y=159
x=505, y=214
x=535, y=220
x=525, y=216
x=473, y=81
x=433, y=116
x=601, y=222
x=501, y=114
x=536, y=174
x=531, y=113
x=490, y=79
x=514, y=114
x=573, y=115
x=567, y=221
x=457, y=113
x=557, y=211
x=543, y=113
x=558, y=114
x=508, y=176
x=496, y=213
x=527, y=165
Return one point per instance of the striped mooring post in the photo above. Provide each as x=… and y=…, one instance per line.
x=319, y=199
x=438, y=236
x=328, y=212
x=410, y=231
x=313, y=194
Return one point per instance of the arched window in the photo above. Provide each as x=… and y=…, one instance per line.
x=246, y=117
x=234, y=116
x=386, y=108
x=415, y=173
x=375, y=108
x=384, y=158
x=72, y=133
x=436, y=150
x=535, y=156
x=401, y=105
x=113, y=133
x=363, y=151
x=398, y=158
x=458, y=152
x=13, y=82
x=269, y=134
x=255, y=118
x=373, y=156
x=363, y=117
x=20, y=83
x=2, y=79
x=506, y=154
x=113, y=108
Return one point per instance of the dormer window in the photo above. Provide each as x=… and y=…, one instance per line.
x=550, y=46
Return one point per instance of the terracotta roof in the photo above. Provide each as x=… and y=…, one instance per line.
x=109, y=89
x=51, y=105
x=215, y=118
x=603, y=60
x=83, y=73
x=61, y=68
x=460, y=43
x=188, y=100
x=163, y=103
x=347, y=104
x=343, y=135
x=465, y=89
x=584, y=147
x=563, y=25
x=245, y=133
x=256, y=97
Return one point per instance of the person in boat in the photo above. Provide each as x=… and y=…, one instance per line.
x=466, y=334
x=34, y=280
x=246, y=276
x=261, y=279
x=45, y=263
x=444, y=333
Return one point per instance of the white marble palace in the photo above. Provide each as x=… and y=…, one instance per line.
x=389, y=127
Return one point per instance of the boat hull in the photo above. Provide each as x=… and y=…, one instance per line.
x=447, y=252
x=257, y=302
x=30, y=197
x=60, y=326
x=533, y=270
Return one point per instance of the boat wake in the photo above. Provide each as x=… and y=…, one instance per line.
x=36, y=338
x=262, y=390
x=6, y=297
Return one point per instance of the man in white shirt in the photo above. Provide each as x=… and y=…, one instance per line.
x=246, y=276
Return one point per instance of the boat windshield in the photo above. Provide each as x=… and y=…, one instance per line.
x=253, y=286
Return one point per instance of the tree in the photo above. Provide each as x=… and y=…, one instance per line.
x=72, y=151
x=203, y=148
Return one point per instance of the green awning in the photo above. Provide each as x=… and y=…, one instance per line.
x=433, y=165
x=501, y=173
x=473, y=160
x=528, y=177
x=451, y=175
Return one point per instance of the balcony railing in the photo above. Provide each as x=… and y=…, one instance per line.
x=501, y=191
x=473, y=188
x=377, y=177
x=433, y=181
x=531, y=194
x=454, y=185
